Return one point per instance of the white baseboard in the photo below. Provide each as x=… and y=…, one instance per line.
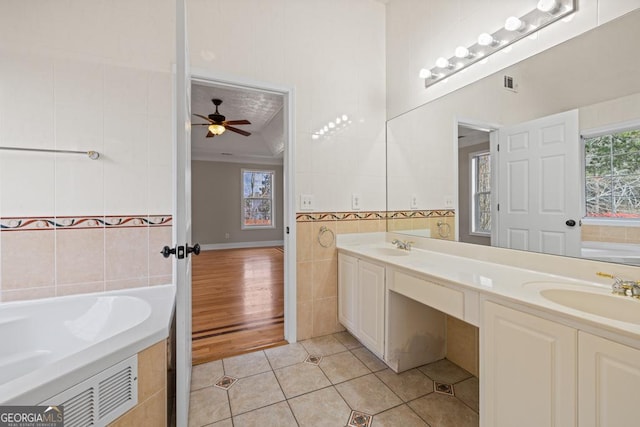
x=237, y=245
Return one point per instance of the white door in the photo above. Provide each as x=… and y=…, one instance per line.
x=539, y=185
x=182, y=218
x=370, y=306
x=608, y=383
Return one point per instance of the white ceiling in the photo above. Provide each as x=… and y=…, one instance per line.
x=263, y=109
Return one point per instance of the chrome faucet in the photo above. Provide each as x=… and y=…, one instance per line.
x=402, y=244
x=630, y=288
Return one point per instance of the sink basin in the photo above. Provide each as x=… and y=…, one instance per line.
x=623, y=309
x=389, y=251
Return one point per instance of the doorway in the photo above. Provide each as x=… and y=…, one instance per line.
x=243, y=218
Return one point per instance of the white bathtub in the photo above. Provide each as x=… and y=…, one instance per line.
x=47, y=346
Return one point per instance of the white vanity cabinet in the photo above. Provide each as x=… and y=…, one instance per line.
x=608, y=384
x=361, y=288
x=529, y=376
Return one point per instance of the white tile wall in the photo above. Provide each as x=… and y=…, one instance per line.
x=333, y=53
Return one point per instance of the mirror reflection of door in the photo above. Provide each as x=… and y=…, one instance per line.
x=539, y=196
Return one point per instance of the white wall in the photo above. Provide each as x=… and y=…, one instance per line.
x=419, y=31
x=85, y=75
x=333, y=53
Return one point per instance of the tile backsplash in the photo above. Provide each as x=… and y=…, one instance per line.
x=46, y=257
x=317, y=265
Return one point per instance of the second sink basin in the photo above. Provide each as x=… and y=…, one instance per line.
x=623, y=309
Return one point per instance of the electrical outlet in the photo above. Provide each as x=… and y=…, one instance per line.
x=448, y=202
x=356, y=201
x=306, y=202
x=226, y=235
x=414, y=202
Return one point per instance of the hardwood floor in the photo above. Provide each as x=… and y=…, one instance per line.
x=238, y=302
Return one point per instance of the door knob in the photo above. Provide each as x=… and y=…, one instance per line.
x=167, y=251
x=570, y=222
x=195, y=249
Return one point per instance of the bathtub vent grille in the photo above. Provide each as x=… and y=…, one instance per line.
x=102, y=398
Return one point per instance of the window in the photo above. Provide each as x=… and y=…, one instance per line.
x=257, y=199
x=612, y=175
x=481, y=193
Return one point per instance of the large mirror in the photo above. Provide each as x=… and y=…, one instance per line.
x=443, y=163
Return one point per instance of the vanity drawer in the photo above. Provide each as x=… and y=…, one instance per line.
x=449, y=301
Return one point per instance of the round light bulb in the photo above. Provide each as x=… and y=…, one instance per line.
x=513, y=24
x=442, y=62
x=425, y=74
x=462, y=52
x=345, y=117
x=321, y=132
x=338, y=120
x=315, y=136
x=331, y=125
x=326, y=128
x=548, y=6
x=485, y=39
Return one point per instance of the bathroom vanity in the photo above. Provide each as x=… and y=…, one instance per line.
x=554, y=349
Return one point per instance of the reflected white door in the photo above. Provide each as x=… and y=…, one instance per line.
x=182, y=218
x=539, y=190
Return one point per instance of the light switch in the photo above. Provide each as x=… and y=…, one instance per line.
x=448, y=202
x=414, y=202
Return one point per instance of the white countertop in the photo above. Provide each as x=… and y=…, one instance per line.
x=509, y=284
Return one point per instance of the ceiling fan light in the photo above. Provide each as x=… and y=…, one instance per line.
x=216, y=129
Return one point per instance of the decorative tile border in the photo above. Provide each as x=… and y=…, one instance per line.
x=84, y=222
x=355, y=216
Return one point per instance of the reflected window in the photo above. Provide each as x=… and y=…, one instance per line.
x=612, y=175
x=257, y=199
x=481, y=193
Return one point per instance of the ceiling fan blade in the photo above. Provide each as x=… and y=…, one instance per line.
x=236, y=130
x=200, y=124
x=203, y=117
x=237, y=122
x=210, y=135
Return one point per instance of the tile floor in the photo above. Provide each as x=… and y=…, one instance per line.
x=329, y=381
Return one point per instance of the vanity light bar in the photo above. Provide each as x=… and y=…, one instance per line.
x=547, y=12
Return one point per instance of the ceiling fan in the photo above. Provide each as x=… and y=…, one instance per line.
x=218, y=123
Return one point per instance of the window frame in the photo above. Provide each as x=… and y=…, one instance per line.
x=594, y=133
x=244, y=226
x=473, y=194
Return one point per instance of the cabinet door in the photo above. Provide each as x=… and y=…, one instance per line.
x=370, y=307
x=529, y=376
x=347, y=288
x=608, y=383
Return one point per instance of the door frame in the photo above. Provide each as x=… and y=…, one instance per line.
x=208, y=77
x=491, y=128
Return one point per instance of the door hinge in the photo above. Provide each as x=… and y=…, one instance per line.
x=287, y=232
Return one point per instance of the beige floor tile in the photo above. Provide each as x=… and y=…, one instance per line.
x=344, y=366
x=223, y=423
x=323, y=346
x=467, y=391
x=347, y=340
x=398, y=416
x=206, y=374
x=370, y=360
x=207, y=406
x=408, y=385
x=246, y=365
x=439, y=410
x=368, y=394
x=286, y=355
x=445, y=371
x=254, y=392
x=278, y=415
x=301, y=378
x=321, y=408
